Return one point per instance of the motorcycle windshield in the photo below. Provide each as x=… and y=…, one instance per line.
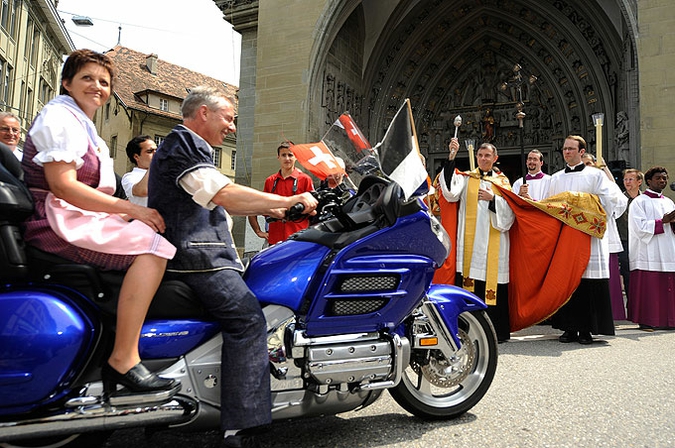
x=396, y=157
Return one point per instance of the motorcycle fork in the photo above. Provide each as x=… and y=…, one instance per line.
x=430, y=331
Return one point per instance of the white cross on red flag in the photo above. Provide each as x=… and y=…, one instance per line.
x=359, y=140
x=317, y=158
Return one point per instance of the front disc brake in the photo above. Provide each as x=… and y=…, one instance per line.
x=445, y=372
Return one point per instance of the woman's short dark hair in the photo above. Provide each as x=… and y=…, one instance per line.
x=78, y=59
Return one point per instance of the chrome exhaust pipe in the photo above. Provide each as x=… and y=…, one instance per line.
x=100, y=417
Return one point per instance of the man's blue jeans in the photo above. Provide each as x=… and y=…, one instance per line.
x=245, y=374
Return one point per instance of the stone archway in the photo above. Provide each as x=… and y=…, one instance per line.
x=450, y=57
x=306, y=62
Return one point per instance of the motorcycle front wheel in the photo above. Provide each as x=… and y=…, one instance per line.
x=438, y=386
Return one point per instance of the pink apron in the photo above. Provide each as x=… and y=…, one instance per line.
x=98, y=232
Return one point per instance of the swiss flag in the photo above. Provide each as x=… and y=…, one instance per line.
x=353, y=132
x=317, y=158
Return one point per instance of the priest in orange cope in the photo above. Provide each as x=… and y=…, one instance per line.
x=482, y=238
x=549, y=248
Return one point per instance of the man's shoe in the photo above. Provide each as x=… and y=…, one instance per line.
x=240, y=441
x=585, y=338
x=568, y=336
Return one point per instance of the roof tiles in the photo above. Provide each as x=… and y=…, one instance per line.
x=134, y=78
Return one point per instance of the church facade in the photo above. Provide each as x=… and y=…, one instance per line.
x=557, y=61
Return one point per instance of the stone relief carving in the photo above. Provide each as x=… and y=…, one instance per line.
x=622, y=133
x=338, y=97
x=480, y=90
x=570, y=89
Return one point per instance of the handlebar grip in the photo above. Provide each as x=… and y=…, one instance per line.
x=295, y=211
x=292, y=214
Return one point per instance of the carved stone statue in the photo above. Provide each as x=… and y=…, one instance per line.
x=622, y=132
x=488, y=126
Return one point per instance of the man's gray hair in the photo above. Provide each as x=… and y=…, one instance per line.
x=4, y=115
x=203, y=96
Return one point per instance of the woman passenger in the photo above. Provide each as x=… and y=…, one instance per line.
x=70, y=174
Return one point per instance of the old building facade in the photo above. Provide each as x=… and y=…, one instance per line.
x=147, y=96
x=306, y=62
x=33, y=41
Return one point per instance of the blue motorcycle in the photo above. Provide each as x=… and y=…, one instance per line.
x=350, y=306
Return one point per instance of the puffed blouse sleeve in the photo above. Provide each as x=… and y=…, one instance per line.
x=58, y=136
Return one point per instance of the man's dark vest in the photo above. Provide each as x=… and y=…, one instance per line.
x=202, y=236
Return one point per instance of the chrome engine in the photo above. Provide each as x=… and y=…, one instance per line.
x=329, y=374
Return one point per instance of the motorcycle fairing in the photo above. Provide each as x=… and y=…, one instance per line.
x=45, y=338
x=367, y=288
x=267, y=275
x=173, y=338
x=450, y=301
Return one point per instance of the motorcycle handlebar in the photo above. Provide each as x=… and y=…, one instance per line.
x=292, y=214
x=295, y=212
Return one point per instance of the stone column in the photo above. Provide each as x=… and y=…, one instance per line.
x=243, y=15
x=656, y=57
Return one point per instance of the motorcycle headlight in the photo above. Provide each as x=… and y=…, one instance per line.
x=440, y=233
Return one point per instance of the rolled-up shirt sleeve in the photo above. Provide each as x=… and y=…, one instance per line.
x=203, y=184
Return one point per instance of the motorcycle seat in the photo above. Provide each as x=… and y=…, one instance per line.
x=173, y=300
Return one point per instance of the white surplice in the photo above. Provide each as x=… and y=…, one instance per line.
x=501, y=220
x=537, y=188
x=649, y=251
x=595, y=181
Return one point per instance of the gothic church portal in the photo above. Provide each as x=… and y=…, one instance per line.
x=305, y=62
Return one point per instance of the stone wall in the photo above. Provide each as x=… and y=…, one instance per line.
x=273, y=90
x=656, y=55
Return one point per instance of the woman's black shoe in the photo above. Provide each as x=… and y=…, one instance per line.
x=137, y=379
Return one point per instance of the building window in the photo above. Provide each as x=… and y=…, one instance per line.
x=233, y=159
x=113, y=146
x=3, y=67
x=5, y=81
x=158, y=140
x=12, y=20
x=107, y=111
x=29, y=34
x=164, y=104
x=4, y=14
x=29, y=106
x=45, y=91
x=217, y=153
x=22, y=98
x=7, y=84
x=36, y=45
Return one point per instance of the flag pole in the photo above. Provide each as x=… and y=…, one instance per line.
x=414, y=134
x=412, y=124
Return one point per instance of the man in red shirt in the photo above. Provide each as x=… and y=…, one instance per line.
x=288, y=181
